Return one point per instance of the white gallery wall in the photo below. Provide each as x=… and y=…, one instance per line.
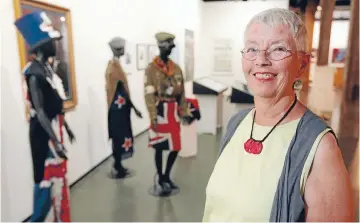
x=338, y=38
x=339, y=34
x=227, y=20
x=94, y=23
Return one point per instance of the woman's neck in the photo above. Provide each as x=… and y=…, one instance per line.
x=270, y=110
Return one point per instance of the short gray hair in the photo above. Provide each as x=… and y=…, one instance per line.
x=277, y=16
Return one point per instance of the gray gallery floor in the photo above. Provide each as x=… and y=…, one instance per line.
x=98, y=198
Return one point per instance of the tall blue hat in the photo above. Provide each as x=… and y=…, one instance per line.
x=37, y=29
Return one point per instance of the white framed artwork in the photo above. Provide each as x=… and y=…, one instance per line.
x=141, y=56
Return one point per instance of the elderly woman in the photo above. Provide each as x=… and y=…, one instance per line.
x=278, y=161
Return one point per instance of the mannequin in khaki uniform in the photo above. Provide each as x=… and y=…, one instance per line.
x=119, y=105
x=166, y=104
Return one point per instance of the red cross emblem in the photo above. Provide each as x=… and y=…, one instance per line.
x=127, y=144
x=120, y=101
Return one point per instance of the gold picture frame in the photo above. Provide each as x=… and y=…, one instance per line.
x=61, y=19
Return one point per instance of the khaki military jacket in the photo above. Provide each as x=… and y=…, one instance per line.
x=114, y=73
x=159, y=86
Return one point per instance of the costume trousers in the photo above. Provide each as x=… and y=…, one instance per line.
x=51, y=189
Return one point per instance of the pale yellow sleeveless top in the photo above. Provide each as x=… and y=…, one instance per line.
x=242, y=186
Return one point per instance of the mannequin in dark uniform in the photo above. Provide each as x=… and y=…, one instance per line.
x=119, y=105
x=167, y=106
x=48, y=153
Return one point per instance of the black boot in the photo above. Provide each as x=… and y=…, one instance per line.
x=171, y=160
x=119, y=174
x=173, y=186
x=126, y=170
x=165, y=187
x=118, y=171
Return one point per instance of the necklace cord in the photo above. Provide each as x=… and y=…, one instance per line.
x=267, y=135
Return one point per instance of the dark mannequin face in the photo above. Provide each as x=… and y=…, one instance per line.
x=48, y=49
x=166, y=48
x=118, y=52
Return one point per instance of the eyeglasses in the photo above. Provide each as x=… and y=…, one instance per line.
x=278, y=53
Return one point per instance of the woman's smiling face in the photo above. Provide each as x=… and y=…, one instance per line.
x=270, y=60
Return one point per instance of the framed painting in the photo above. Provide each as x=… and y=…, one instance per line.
x=338, y=56
x=223, y=56
x=63, y=63
x=126, y=60
x=141, y=57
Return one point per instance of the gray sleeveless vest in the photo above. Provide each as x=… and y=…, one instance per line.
x=288, y=204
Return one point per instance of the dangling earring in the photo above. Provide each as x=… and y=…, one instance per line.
x=297, y=85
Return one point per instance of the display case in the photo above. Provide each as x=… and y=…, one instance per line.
x=210, y=96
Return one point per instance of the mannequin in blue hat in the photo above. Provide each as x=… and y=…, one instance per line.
x=48, y=153
x=119, y=105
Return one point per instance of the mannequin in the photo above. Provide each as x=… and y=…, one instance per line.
x=60, y=72
x=48, y=153
x=119, y=108
x=165, y=100
x=59, y=84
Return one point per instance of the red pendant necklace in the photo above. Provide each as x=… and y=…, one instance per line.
x=254, y=146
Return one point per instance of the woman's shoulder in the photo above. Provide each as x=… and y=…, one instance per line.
x=311, y=120
x=329, y=181
x=307, y=117
x=238, y=117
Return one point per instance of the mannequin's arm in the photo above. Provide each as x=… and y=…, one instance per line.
x=67, y=127
x=107, y=83
x=37, y=98
x=150, y=97
x=182, y=101
x=127, y=96
x=130, y=102
x=69, y=132
x=126, y=85
x=184, y=111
